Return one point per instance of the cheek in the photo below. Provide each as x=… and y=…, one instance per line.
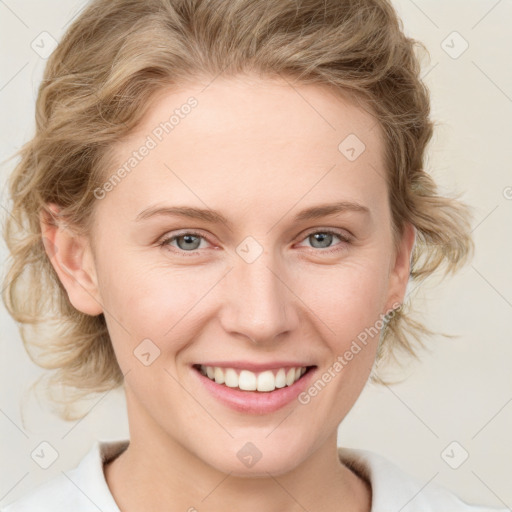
x=160, y=303
x=346, y=299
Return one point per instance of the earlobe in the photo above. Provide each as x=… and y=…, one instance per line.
x=401, y=267
x=71, y=257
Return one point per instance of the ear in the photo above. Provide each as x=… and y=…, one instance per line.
x=400, y=268
x=72, y=259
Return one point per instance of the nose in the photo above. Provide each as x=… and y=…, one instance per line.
x=258, y=302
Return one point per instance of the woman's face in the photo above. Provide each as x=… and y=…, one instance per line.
x=268, y=287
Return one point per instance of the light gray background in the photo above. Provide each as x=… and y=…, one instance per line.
x=460, y=392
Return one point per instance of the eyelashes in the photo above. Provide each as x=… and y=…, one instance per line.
x=344, y=238
x=166, y=242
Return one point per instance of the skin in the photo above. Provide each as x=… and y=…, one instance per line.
x=258, y=151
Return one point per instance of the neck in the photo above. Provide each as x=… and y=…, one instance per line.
x=158, y=472
x=142, y=480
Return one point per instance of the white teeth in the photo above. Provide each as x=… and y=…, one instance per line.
x=231, y=378
x=218, y=375
x=280, y=378
x=290, y=376
x=250, y=381
x=266, y=381
x=247, y=381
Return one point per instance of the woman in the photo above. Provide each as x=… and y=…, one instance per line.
x=283, y=142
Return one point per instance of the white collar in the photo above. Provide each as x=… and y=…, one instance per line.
x=394, y=490
x=84, y=488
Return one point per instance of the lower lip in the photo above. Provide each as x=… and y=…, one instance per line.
x=256, y=402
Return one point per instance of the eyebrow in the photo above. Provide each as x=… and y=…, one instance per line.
x=214, y=217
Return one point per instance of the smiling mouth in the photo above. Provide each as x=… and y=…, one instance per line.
x=246, y=380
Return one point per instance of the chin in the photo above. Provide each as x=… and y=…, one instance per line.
x=251, y=462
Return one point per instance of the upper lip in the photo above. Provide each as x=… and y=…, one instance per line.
x=254, y=367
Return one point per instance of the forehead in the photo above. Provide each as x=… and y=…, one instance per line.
x=265, y=109
x=252, y=137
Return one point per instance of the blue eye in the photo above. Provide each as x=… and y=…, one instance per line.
x=191, y=240
x=325, y=239
x=188, y=242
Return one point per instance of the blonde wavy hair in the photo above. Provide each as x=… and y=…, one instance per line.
x=96, y=88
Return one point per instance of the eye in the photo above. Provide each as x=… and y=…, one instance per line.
x=187, y=242
x=322, y=240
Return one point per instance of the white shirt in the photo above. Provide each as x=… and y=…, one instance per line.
x=84, y=488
